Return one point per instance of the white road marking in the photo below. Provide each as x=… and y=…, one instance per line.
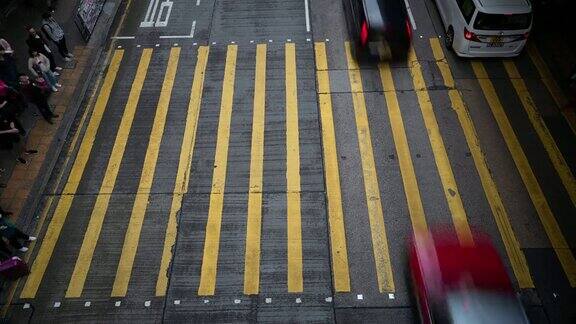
x=307, y=16
x=123, y=37
x=163, y=23
x=150, y=14
x=412, y=21
x=193, y=28
x=151, y=20
x=197, y=2
x=182, y=36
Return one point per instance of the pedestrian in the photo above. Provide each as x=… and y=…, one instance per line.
x=9, y=136
x=5, y=252
x=13, y=97
x=56, y=34
x=36, y=42
x=14, y=235
x=5, y=47
x=8, y=111
x=39, y=67
x=8, y=69
x=35, y=93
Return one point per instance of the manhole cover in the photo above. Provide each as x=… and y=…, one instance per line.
x=70, y=64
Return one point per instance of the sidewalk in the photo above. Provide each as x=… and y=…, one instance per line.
x=18, y=178
x=553, y=26
x=553, y=23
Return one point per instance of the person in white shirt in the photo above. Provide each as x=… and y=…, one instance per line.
x=39, y=66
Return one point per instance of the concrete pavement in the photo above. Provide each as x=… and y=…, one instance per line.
x=154, y=220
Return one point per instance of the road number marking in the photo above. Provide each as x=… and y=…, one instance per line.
x=153, y=20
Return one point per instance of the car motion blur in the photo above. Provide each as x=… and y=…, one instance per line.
x=456, y=283
x=378, y=28
x=486, y=28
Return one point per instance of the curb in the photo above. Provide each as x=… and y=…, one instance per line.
x=26, y=218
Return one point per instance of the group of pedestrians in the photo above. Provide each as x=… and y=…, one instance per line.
x=18, y=90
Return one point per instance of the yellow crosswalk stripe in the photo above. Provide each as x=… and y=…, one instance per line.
x=551, y=227
x=451, y=192
x=132, y=238
x=212, y=240
x=412, y=192
x=552, y=86
x=184, y=164
x=517, y=258
x=373, y=201
x=539, y=125
x=294, y=226
x=55, y=227
x=254, y=221
x=84, y=260
x=335, y=213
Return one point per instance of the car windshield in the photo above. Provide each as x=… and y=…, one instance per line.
x=476, y=306
x=486, y=21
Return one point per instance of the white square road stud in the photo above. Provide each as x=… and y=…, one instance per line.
x=117, y=304
x=298, y=301
x=147, y=303
x=360, y=297
x=177, y=302
x=87, y=304
x=268, y=300
x=57, y=304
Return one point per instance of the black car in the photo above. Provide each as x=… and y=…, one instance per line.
x=378, y=28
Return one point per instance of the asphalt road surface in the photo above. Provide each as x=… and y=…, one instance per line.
x=237, y=165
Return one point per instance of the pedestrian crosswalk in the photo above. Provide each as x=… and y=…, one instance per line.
x=244, y=119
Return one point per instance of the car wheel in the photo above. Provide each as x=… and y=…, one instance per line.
x=449, y=40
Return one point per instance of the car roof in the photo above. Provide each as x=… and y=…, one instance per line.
x=504, y=6
x=379, y=12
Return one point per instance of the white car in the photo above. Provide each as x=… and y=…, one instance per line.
x=486, y=28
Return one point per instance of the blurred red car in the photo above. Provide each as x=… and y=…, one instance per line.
x=461, y=284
